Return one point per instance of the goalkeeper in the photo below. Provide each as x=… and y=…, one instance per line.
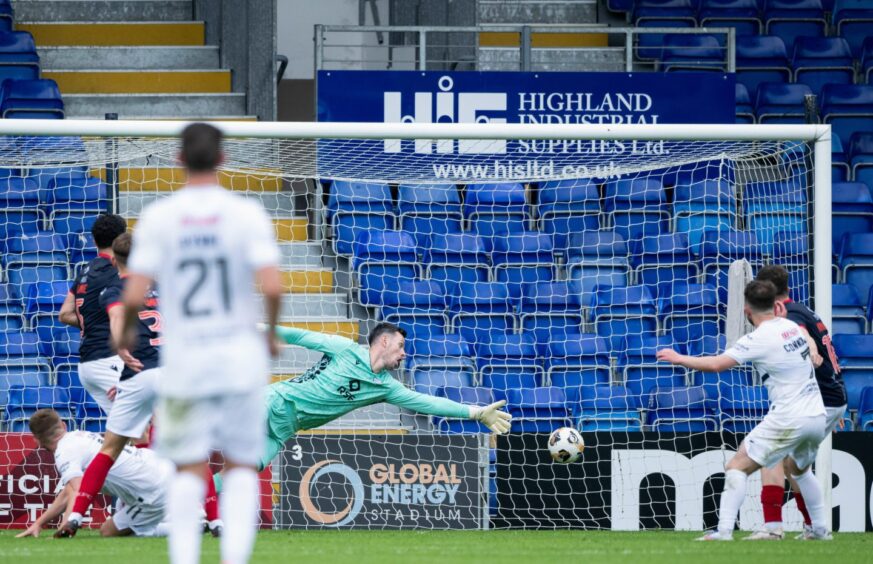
x=348, y=377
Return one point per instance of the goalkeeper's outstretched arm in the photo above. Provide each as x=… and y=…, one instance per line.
x=489, y=415
x=328, y=344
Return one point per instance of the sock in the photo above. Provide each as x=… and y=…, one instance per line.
x=239, y=506
x=210, y=504
x=731, y=500
x=92, y=482
x=801, y=505
x=183, y=511
x=813, y=498
x=771, y=501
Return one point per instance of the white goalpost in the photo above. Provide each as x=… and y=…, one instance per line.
x=534, y=263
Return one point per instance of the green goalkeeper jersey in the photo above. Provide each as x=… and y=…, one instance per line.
x=340, y=382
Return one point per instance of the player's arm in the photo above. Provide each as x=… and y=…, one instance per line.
x=270, y=283
x=68, y=315
x=490, y=415
x=57, y=507
x=72, y=489
x=712, y=363
x=813, y=348
x=329, y=344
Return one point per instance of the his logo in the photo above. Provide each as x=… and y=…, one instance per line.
x=471, y=107
x=352, y=508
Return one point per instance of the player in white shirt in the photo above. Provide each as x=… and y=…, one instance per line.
x=139, y=479
x=206, y=248
x=795, y=424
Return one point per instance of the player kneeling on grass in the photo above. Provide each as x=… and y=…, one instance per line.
x=795, y=424
x=139, y=479
x=350, y=376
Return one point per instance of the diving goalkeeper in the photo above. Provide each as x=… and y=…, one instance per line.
x=348, y=377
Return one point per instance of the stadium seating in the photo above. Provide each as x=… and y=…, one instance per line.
x=719, y=249
x=742, y=15
x=429, y=209
x=743, y=109
x=856, y=261
x=865, y=410
x=607, y=408
x=576, y=361
x=761, y=59
x=682, y=410
x=24, y=401
x=597, y=258
x=551, y=311
x=418, y=306
x=31, y=99
x=439, y=352
x=636, y=207
x=522, y=258
x=619, y=311
x=852, y=20
x=456, y=257
x=822, y=60
x=852, y=205
x=781, y=103
x=662, y=259
x=566, y=207
x=847, y=311
x=690, y=312
x=640, y=370
x=382, y=260
x=18, y=57
x=790, y=19
x=860, y=156
x=742, y=407
x=867, y=61
x=470, y=396
x=429, y=381
x=496, y=208
x=840, y=170
x=508, y=354
x=848, y=108
x=856, y=362
x=701, y=206
x=477, y=307
x=537, y=410
x=355, y=207
x=693, y=52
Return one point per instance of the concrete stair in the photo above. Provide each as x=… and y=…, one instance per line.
x=135, y=58
x=537, y=11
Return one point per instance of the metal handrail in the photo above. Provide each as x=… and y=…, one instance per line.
x=525, y=32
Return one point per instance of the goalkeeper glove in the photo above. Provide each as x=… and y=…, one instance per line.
x=491, y=416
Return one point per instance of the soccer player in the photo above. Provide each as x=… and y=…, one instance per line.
x=833, y=393
x=139, y=479
x=350, y=376
x=206, y=248
x=795, y=424
x=99, y=365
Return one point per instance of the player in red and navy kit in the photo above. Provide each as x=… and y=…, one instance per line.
x=99, y=365
x=833, y=393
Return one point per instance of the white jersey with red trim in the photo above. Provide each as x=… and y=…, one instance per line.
x=779, y=352
x=203, y=246
x=138, y=476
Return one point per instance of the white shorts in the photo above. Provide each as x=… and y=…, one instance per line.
x=98, y=376
x=134, y=404
x=142, y=519
x=189, y=429
x=772, y=440
x=834, y=415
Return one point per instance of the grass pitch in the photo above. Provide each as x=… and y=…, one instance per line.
x=383, y=547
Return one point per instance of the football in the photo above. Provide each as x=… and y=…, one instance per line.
x=566, y=445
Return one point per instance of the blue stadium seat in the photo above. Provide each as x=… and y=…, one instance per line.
x=567, y=207
x=742, y=15
x=682, y=410
x=10, y=300
x=356, y=207
x=89, y=416
x=41, y=249
x=639, y=368
x=860, y=156
x=772, y=207
x=660, y=14
x=848, y=108
x=719, y=249
x=781, y=103
x=619, y=311
x=25, y=401
x=852, y=208
x=469, y=396
x=743, y=375
x=508, y=353
x=856, y=261
x=853, y=20
x=856, y=363
x=701, y=206
x=620, y=5
x=572, y=361
x=847, y=310
x=693, y=52
x=742, y=407
x=597, y=258
x=867, y=61
x=522, y=258
x=502, y=382
x=87, y=194
x=73, y=222
x=840, y=170
x=690, y=312
x=662, y=259
x=865, y=410
x=12, y=376
x=637, y=207
x=45, y=298
x=19, y=206
x=417, y=306
x=81, y=249
x=60, y=344
x=6, y=16
x=382, y=260
x=437, y=352
x=429, y=381
x=47, y=177
x=31, y=99
x=608, y=408
x=456, y=257
x=496, y=208
x=481, y=306
x=761, y=59
x=537, y=410
x=822, y=60
x=744, y=111
x=790, y=19
x=429, y=209
x=551, y=310
x=18, y=57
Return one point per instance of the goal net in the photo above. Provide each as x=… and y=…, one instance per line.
x=548, y=280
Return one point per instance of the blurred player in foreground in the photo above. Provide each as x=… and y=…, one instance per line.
x=833, y=393
x=795, y=423
x=350, y=376
x=139, y=479
x=207, y=249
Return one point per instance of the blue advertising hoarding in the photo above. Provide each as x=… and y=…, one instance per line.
x=506, y=97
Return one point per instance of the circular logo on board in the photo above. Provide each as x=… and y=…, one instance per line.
x=325, y=468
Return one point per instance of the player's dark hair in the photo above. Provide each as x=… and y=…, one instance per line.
x=106, y=228
x=201, y=147
x=761, y=295
x=777, y=275
x=43, y=423
x=121, y=248
x=384, y=328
